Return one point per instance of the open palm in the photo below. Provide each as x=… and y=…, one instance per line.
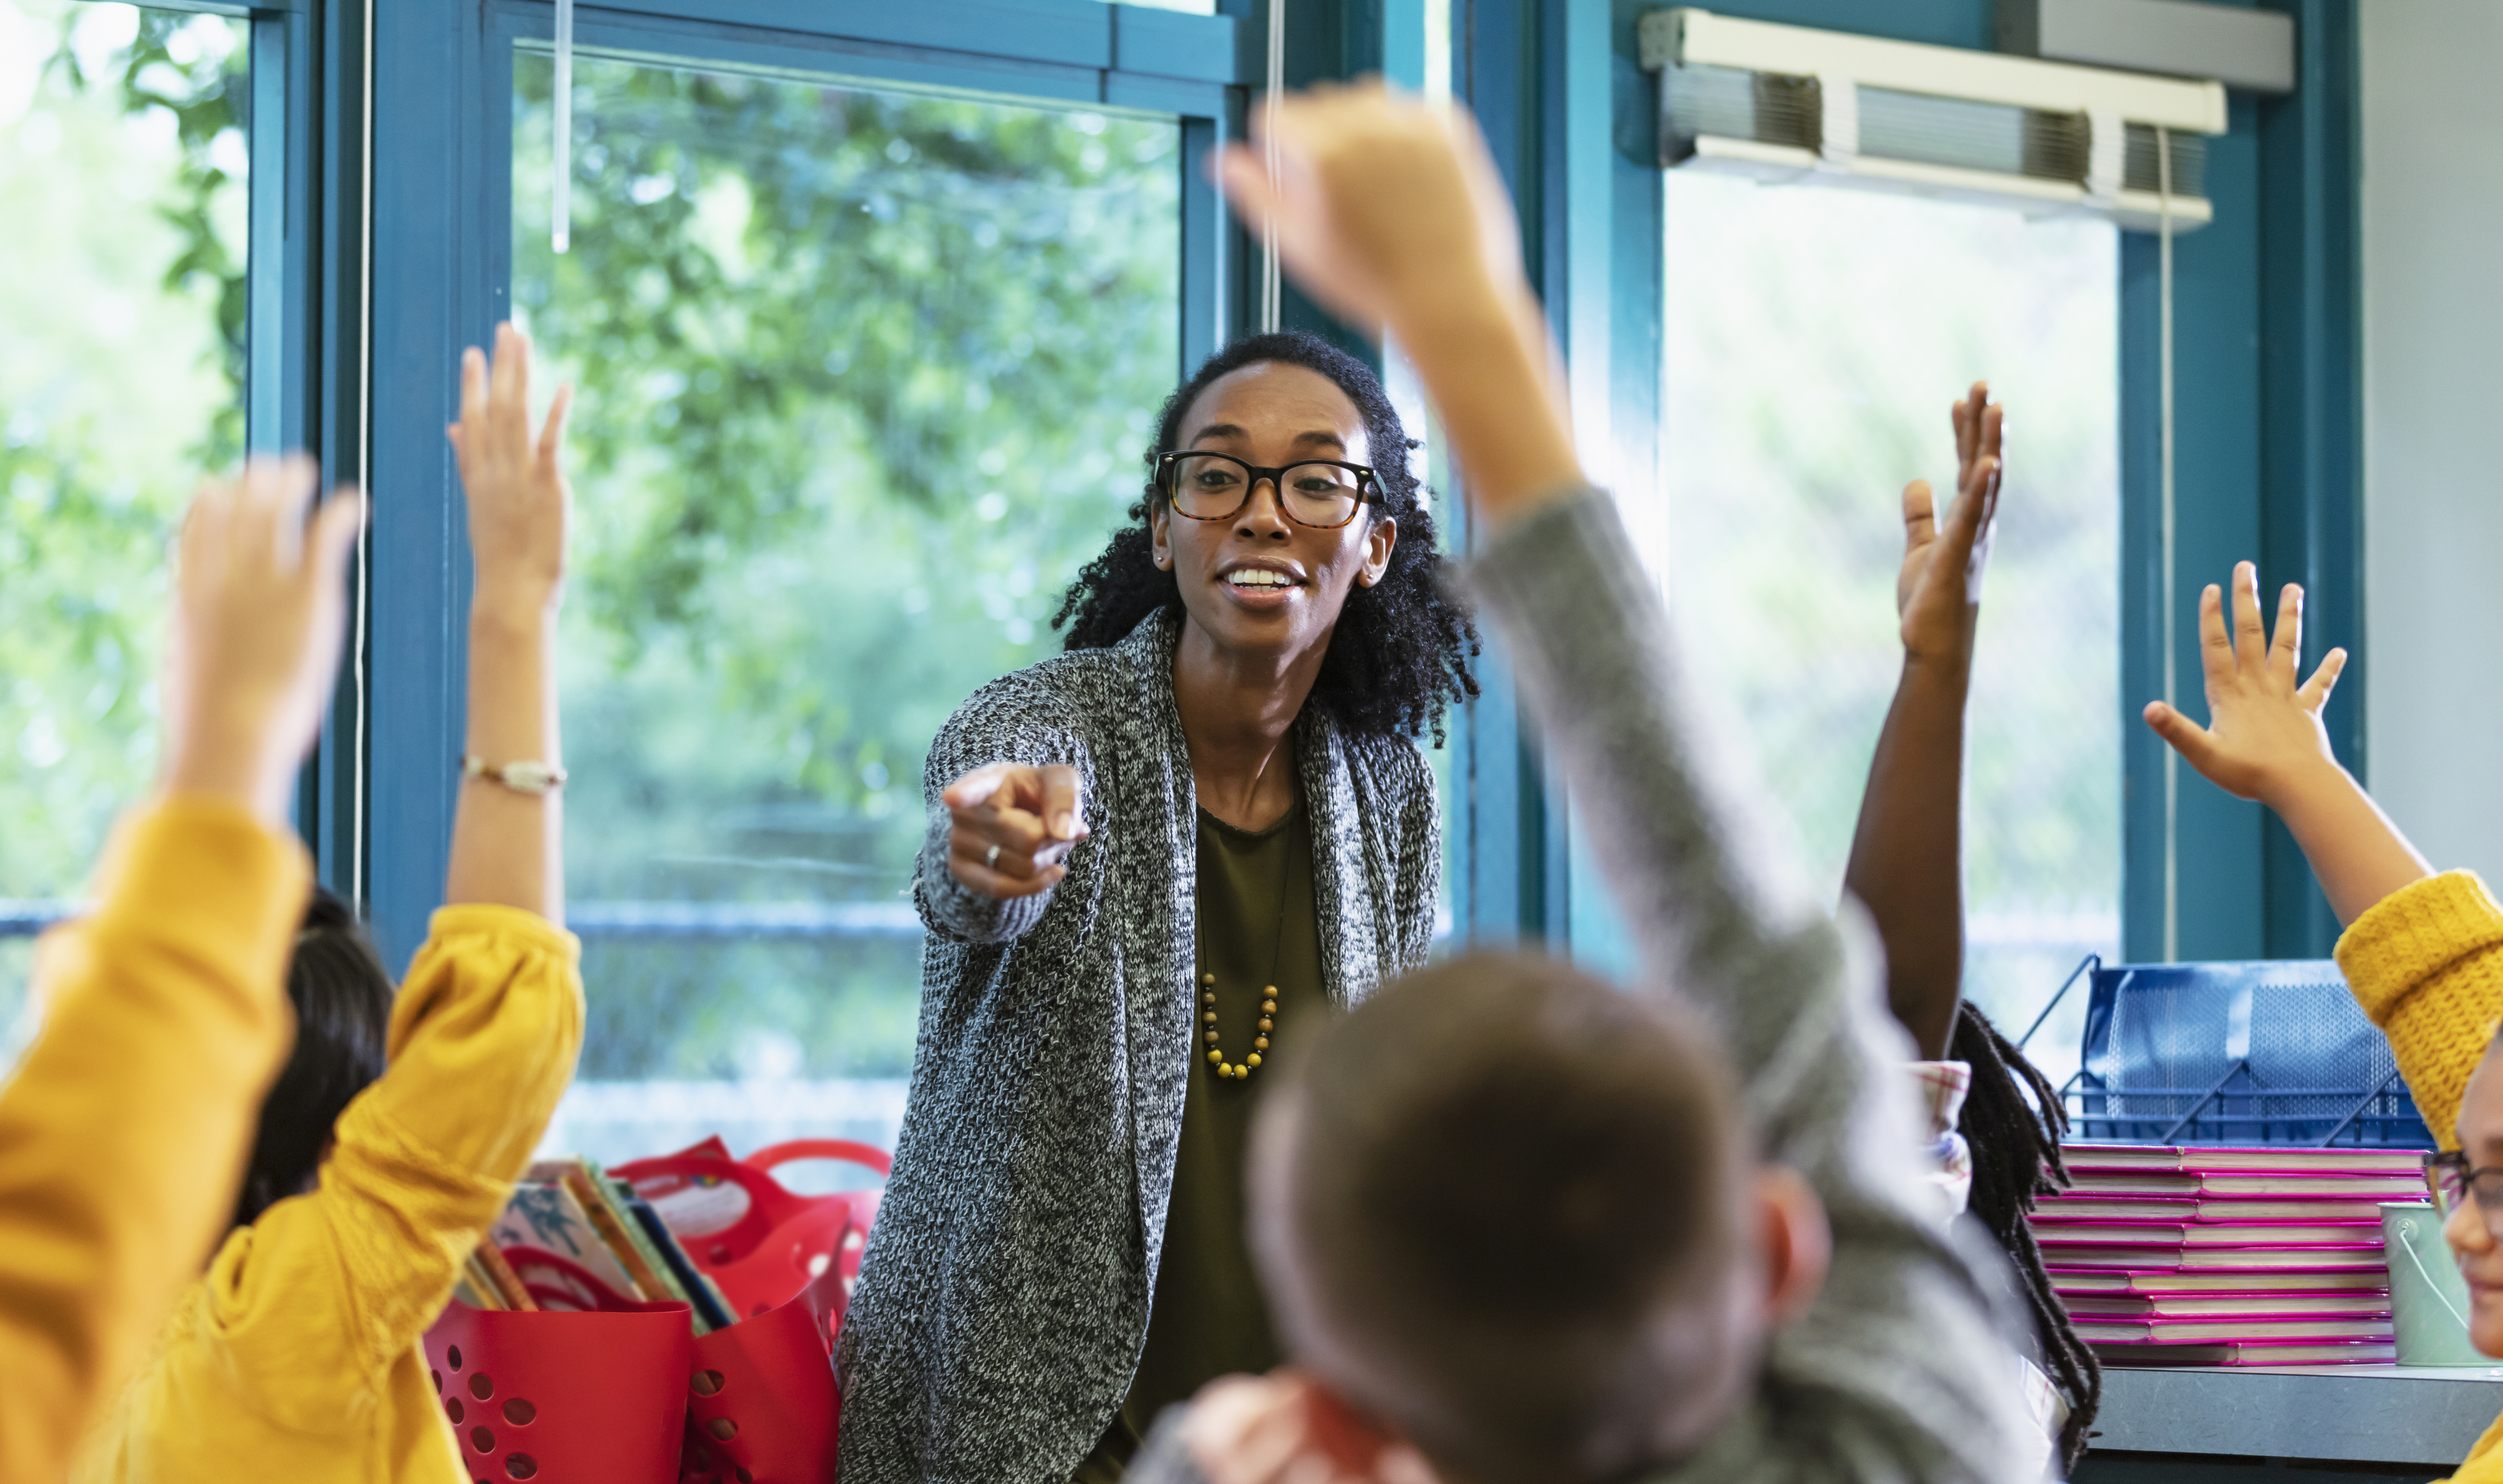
x=1938, y=595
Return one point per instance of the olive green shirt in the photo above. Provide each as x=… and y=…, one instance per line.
x=1256, y=929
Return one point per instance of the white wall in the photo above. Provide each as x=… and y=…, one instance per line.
x=2433, y=417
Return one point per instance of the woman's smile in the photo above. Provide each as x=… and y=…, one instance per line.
x=1262, y=584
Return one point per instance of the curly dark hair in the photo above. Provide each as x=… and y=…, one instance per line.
x=1401, y=650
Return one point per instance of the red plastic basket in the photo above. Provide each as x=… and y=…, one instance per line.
x=760, y=1242
x=762, y=1407
x=595, y=1398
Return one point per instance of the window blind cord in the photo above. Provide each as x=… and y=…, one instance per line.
x=2164, y=452
x=1272, y=306
x=561, y=203
x=365, y=460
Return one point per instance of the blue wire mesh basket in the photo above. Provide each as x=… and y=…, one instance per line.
x=2263, y=1053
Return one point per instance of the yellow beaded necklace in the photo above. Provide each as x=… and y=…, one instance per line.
x=1242, y=1070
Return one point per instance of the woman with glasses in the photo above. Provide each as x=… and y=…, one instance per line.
x=1148, y=857
x=2422, y=952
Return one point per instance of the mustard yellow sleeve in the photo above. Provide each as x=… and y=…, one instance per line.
x=311, y=1306
x=2485, y=1462
x=124, y=1132
x=2426, y=963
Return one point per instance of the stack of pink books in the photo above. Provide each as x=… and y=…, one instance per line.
x=2226, y=1257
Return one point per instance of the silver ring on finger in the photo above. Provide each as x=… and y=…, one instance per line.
x=991, y=859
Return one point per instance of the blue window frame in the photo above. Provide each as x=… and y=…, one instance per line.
x=441, y=272
x=2268, y=419
x=357, y=330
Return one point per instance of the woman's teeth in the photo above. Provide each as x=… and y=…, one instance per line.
x=1252, y=576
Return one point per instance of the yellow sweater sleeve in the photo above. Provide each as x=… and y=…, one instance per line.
x=2426, y=963
x=308, y=1307
x=124, y=1132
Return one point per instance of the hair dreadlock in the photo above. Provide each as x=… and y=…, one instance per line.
x=2012, y=1120
x=1401, y=649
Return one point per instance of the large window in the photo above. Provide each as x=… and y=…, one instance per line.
x=122, y=162
x=1814, y=340
x=864, y=377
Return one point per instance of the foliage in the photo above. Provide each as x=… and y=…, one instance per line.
x=120, y=374
x=862, y=377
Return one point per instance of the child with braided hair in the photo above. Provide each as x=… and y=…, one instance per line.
x=1995, y=1118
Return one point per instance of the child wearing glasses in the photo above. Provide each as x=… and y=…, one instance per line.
x=2422, y=952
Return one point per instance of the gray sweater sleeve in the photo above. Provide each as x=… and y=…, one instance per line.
x=1898, y=1370
x=1898, y=1374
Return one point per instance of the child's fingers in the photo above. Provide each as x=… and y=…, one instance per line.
x=2251, y=637
x=335, y=527
x=509, y=417
x=1247, y=189
x=2315, y=692
x=2195, y=744
x=2215, y=650
x=2285, y=645
x=473, y=388
x=1993, y=420
x=1968, y=431
x=551, y=433
x=1920, y=516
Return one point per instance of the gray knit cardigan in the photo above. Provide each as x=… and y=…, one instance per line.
x=1004, y=1296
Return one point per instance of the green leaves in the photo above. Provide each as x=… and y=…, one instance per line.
x=864, y=378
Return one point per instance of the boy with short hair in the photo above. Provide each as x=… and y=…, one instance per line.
x=1520, y=1220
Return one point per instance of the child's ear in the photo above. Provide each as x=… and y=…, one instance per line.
x=1797, y=1243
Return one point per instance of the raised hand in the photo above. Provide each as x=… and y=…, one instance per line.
x=2264, y=731
x=1391, y=212
x=1011, y=825
x=515, y=481
x=507, y=845
x=260, y=606
x=1938, y=595
x=1381, y=203
x=2263, y=739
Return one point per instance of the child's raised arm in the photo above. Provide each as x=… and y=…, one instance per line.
x=1907, y=855
x=506, y=833
x=122, y=1132
x=2264, y=741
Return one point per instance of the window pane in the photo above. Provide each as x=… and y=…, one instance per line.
x=122, y=133
x=1814, y=340
x=864, y=377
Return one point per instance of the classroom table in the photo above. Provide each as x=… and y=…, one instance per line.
x=2302, y=1425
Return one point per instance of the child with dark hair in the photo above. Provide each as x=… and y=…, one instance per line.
x=122, y=1128
x=388, y=1148
x=1511, y=1218
x=342, y=997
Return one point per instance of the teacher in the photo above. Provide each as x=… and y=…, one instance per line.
x=1148, y=857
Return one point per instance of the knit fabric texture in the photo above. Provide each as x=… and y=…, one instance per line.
x=1004, y=1297
x=2426, y=963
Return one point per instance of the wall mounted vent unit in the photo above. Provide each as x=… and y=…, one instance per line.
x=1782, y=103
